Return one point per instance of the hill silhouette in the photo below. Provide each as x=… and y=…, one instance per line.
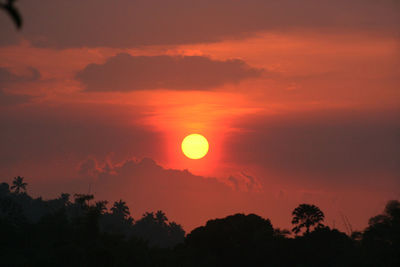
x=79, y=231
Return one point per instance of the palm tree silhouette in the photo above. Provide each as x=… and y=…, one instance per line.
x=306, y=215
x=101, y=206
x=161, y=218
x=19, y=184
x=120, y=208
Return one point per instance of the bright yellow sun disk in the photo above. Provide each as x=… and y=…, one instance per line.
x=195, y=146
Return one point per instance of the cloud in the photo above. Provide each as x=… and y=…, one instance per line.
x=13, y=99
x=244, y=182
x=41, y=136
x=93, y=168
x=130, y=23
x=124, y=72
x=7, y=79
x=147, y=186
x=325, y=147
x=89, y=168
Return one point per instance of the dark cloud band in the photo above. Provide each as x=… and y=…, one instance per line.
x=132, y=23
x=124, y=72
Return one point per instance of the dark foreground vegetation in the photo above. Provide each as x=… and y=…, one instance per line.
x=78, y=231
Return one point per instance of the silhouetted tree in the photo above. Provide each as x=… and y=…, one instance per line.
x=120, y=209
x=306, y=215
x=101, y=206
x=324, y=247
x=281, y=232
x=156, y=229
x=57, y=232
x=237, y=240
x=9, y=7
x=381, y=239
x=160, y=217
x=4, y=189
x=148, y=217
x=64, y=198
x=19, y=184
x=10, y=210
x=83, y=200
x=177, y=231
x=356, y=235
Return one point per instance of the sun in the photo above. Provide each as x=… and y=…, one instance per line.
x=195, y=146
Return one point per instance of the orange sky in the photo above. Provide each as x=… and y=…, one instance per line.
x=300, y=107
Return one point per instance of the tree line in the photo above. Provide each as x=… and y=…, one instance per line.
x=78, y=231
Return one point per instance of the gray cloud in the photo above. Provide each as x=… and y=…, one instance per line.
x=322, y=146
x=13, y=99
x=7, y=79
x=128, y=23
x=124, y=72
x=145, y=186
x=37, y=135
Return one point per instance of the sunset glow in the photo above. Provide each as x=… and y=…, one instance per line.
x=216, y=106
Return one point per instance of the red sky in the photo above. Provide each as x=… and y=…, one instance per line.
x=299, y=100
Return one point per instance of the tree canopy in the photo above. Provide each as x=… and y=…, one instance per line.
x=307, y=216
x=86, y=232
